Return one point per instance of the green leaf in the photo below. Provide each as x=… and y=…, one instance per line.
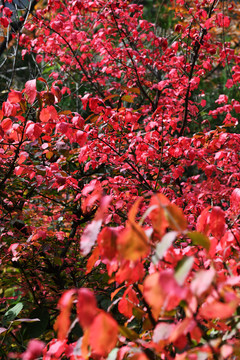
x=128, y=333
x=183, y=268
x=128, y=98
x=35, y=329
x=165, y=244
x=19, y=321
x=12, y=313
x=199, y=239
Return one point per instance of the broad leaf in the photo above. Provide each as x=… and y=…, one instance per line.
x=31, y=91
x=199, y=239
x=183, y=268
x=103, y=334
x=86, y=307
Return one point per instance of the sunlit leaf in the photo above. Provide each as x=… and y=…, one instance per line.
x=183, y=268
x=199, y=239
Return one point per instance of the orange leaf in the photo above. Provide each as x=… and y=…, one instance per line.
x=133, y=243
x=134, y=209
x=153, y=293
x=103, y=334
x=175, y=217
x=92, y=260
x=157, y=216
x=63, y=322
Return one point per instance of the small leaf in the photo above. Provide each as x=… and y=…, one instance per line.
x=183, y=268
x=165, y=244
x=90, y=235
x=175, y=217
x=202, y=281
x=162, y=332
x=128, y=333
x=217, y=309
x=2, y=330
x=19, y=321
x=35, y=329
x=199, y=239
x=12, y=313
x=31, y=91
x=63, y=322
x=132, y=243
x=110, y=97
x=128, y=98
x=103, y=334
x=235, y=200
x=86, y=307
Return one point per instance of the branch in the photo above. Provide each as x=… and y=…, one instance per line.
x=196, y=49
x=17, y=26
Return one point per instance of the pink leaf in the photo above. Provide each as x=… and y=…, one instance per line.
x=235, y=200
x=202, y=281
x=90, y=235
x=31, y=90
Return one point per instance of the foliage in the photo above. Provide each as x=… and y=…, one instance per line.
x=119, y=184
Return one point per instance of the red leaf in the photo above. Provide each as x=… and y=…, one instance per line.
x=212, y=222
x=33, y=130
x=31, y=90
x=125, y=307
x=182, y=328
x=217, y=222
x=14, y=97
x=107, y=243
x=6, y=124
x=103, y=334
x=48, y=113
x=217, y=309
x=86, y=307
x=34, y=350
x=162, y=332
x=235, y=200
x=161, y=289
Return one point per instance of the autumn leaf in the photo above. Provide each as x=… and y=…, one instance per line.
x=175, y=217
x=157, y=215
x=86, y=307
x=202, y=281
x=63, y=322
x=103, y=334
x=217, y=310
x=107, y=243
x=132, y=243
x=235, y=200
x=31, y=91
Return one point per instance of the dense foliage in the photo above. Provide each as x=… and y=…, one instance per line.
x=119, y=182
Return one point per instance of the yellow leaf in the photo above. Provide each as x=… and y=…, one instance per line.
x=128, y=98
x=133, y=243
